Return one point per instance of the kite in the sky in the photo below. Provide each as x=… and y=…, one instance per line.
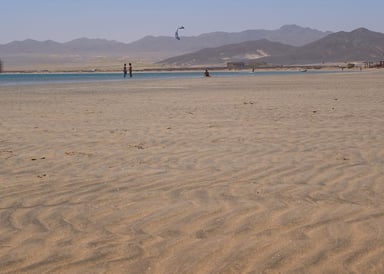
x=177, y=32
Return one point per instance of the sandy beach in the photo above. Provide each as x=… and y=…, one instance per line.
x=271, y=174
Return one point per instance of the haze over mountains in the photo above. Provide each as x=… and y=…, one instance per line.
x=289, y=34
x=358, y=45
x=149, y=49
x=291, y=44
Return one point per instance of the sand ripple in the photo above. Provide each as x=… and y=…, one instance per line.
x=251, y=175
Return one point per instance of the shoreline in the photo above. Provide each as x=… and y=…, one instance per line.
x=15, y=79
x=187, y=69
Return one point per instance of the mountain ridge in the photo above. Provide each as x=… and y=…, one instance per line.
x=165, y=46
x=230, y=53
x=358, y=45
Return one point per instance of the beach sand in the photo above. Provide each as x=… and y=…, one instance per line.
x=269, y=174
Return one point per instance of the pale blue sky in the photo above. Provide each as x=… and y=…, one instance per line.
x=128, y=20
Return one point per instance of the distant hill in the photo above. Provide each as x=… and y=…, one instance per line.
x=92, y=52
x=358, y=45
x=82, y=45
x=289, y=34
x=235, y=52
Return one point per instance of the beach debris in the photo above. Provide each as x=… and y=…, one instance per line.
x=41, y=158
x=139, y=146
x=250, y=102
x=177, y=32
x=342, y=157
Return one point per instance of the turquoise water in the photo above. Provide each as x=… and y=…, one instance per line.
x=37, y=78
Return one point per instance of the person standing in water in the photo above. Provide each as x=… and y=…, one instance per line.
x=125, y=70
x=130, y=70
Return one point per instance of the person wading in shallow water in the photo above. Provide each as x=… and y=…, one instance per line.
x=206, y=73
x=130, y=70
x=125, y=70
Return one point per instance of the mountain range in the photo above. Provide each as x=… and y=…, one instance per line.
x=245, y=51
x=358, y=45
x=290, y=44
x=150, y=49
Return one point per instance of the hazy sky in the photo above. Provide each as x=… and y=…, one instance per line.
x=128, y=20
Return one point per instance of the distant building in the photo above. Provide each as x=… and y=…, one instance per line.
x=371, y=64
x=235, y=65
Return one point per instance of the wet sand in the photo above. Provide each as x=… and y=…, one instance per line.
x=271, y=174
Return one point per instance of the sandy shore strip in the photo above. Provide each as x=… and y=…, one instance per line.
x=271, y=174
